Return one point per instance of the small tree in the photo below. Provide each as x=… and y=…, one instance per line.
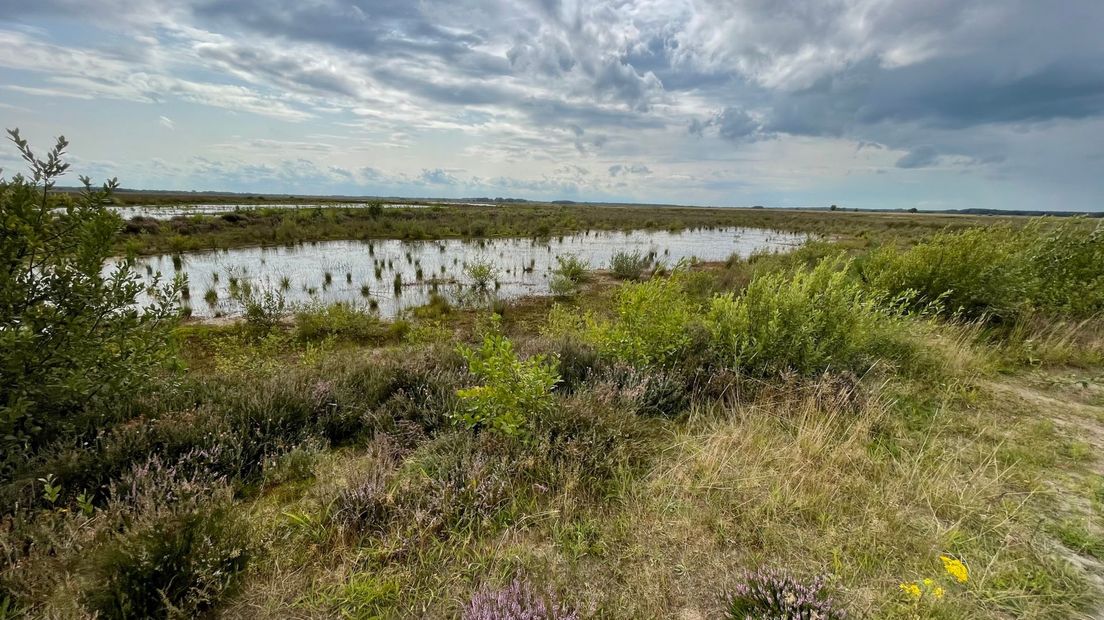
x=513, y=390
x=74, y=342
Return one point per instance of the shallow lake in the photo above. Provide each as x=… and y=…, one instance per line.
x=364, y=272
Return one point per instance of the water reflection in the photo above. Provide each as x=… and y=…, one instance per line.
x=394, y=275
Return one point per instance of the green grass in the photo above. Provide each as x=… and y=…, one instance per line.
x=270, y=227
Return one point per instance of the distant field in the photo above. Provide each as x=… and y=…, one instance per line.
x=277, y=226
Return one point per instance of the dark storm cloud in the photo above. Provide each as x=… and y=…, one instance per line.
x=790, y=67
x=946, y=82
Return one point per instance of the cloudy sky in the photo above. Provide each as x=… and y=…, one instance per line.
x=861, y=103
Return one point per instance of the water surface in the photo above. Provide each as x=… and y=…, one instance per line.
x=364, y=271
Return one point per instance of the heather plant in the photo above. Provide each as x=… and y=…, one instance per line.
x=518, y=601
x=804, y=322
x=175, y=545
x=459, y=483
x=179, y=566
x=75, y=346
x=629, y=265
x=513, y=390
x=363, y=505
x=771, y=594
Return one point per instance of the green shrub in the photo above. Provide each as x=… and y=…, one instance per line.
x=806, y=322
x=177, y=567
x=974, y=272
x=1000, y=273
x=569, y=273
x=74, y=346
x=572, y=267
x=513, y=391
x=650, y=324
x=1069, y=260
x=261, y=308
x=577, y=361
x=481, y=273
x=341, y=320
x=629, y=265
x=562, y=287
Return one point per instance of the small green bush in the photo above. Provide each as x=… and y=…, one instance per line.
x=513, y=391
x=806, y=322
x=572, y=267
x=650, y=325
x=629, y=265
x=999, y=273
x=562, y=287
x=342, y=320
x=482, y=273
x=262, y=308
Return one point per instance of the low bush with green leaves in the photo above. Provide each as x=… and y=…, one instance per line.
x=650, y=326
x=629, y=265
x=806, y=322
x=572, y=267
x=262, y=307
x=570, y=272
x=343, y=320
x=513, y=390
x=1000, y=273
x=481, y=273
x=75, y=346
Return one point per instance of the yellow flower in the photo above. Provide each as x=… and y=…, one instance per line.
x=938, y=593
x=912, y=590
x=955, y=568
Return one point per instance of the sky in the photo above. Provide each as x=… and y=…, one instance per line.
x=932, y=104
